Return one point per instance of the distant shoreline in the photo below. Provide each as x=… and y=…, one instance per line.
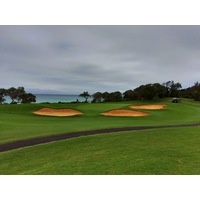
x=56, y=98
x=59, y=94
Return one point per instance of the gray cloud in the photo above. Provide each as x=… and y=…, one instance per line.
x=70, y=59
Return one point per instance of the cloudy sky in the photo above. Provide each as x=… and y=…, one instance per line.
x=72, y=59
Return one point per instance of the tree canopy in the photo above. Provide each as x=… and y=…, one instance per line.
x=17, y=95
x=86, y=95
x=150, y=91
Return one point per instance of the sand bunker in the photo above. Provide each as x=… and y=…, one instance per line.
x=149, y=106
x=57, y=112
x=125, y=113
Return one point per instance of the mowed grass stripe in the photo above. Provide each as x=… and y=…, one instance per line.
x=156, y=151
x=42, y=140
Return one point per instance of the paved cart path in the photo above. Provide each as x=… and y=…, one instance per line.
x=34, y=141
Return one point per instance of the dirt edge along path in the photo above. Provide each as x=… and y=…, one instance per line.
x=46, y=139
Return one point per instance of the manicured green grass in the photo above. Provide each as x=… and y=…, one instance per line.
x=158, y=151
x=18, y=121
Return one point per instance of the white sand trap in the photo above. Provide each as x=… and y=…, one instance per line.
x=125, y=113
x=57, y=112
x=149, y=106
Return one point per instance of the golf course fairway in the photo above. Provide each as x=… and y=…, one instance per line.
x=153, y=151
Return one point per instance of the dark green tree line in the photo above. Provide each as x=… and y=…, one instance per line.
x=107, y=97
x=192, y=92
x=17, y=95
x=149, y=92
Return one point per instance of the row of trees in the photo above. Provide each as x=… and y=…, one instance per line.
x=17, y=95
x=148, y=92
x=192, y=92
x=103, y=97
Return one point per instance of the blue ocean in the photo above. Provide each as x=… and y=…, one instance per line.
x=55, y=98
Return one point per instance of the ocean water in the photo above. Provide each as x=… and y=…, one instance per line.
x=54, y=98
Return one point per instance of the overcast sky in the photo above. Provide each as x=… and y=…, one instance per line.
x=73, y=59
